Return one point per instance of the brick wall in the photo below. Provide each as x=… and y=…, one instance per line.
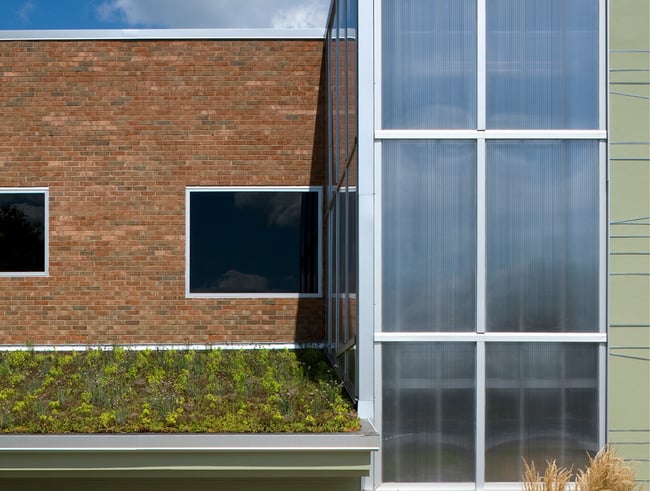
x=117, y=130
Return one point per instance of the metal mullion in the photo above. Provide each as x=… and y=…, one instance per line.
x=481, y=397
x=490, y=337
x=378, y=62
x=481, y=235
x=472, y=134
x=603, y=220
x=481, y=64
x=602, y=395
x=602, y=65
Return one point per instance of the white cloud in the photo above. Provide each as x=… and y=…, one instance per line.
x=216, y=13
x=26, y=10
x=281, y=209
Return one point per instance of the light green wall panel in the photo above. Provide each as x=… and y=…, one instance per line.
x=636, y=261
x=629, y=201
x=629, y=391
x=629, y=195
x=628, y=24
x=629, y=302
x=635, y=127
x=625, y=336
x=618, y=243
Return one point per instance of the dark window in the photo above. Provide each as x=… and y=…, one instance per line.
x=22, y=232
x=253, y=241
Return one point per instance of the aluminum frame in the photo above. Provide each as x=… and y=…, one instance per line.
x=45, y=191
x=243, y=189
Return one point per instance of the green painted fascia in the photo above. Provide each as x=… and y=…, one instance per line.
x=197, y=456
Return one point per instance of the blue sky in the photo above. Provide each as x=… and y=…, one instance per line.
x=121, y=14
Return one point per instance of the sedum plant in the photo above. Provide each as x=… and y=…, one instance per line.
x=128, y=391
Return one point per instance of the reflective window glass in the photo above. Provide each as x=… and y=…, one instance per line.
x=22, y=232
x=253, y=241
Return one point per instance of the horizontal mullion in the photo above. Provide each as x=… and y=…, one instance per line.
x=490, y=134
x=492, y=337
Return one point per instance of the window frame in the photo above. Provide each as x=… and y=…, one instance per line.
x=46, y=230
x=248, y=189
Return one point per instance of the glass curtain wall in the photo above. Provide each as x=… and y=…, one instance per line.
x=341, y=215
x=490, y=137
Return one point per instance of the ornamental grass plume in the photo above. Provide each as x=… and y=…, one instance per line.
x=554, y=479
x=606, y=471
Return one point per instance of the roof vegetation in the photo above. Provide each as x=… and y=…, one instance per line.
x=129, y=391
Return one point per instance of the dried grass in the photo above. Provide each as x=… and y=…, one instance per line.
x=554, y=479
x=605, y=472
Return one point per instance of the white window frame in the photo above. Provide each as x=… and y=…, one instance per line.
x=245, y=189
x=46, y=229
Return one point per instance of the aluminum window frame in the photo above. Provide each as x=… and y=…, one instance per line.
x=372, y=160
x=45, y=191
x=248, y=189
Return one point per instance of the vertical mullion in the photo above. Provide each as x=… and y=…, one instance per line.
x=602, y=395
x=481, y=234
x=603, y=221
x=602, y=64
x=378, y=53
x=480, y=416
x=481, y=70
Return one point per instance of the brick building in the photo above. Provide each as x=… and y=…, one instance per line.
x=110, y=134
x=454, y=195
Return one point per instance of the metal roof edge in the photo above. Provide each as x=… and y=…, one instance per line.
x=365, y=439
x=189, y=455
x=157, y=34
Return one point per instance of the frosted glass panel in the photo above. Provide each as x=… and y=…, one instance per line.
x=542, y=64
x=429, y=236
x=428, y=412
x=542, y=404
x=429, y=64
x=542, y=236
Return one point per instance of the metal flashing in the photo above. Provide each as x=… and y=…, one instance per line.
x=189, y=455
x=157, y=34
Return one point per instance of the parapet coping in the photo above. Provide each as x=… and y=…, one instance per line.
x=157, y=34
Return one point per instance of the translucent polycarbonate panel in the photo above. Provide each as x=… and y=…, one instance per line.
x=542, y=236
x=541, y=404
x=542, y=64
x=428, y=399
x=428, y=64
x=429, y=236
